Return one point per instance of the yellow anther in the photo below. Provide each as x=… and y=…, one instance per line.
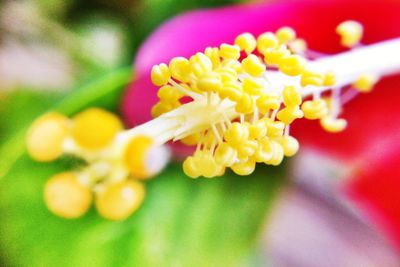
x=274, y=128
x=160, y=108
x=236, y=134
x=191, y=167
x=118, y=201
x=160, y=74
x=292, y=65
x=291, y=96
x=275, y=56
x=285, y=35
x=247, y=148
x=210, y=82
x=253, y=65
x=288, y=114
x=137, y=157
x=233, y=64
x=191, y=140
x=314, y=109
x=213, y=54
x=264, y=150
x=95, y=128
x=244, y=168
x=180, y=69
x=232, y=91
x=65, y=196
x=252, y=86
x=46, y=135
x=333, y=125
x=209, y=168
x=365, y=83
x=247, y=42
x=311, y=78
x=329, y=79
x=266, y=41
x=257, y=130
x=225, y=155
x=350, y=32
x=277, y=154
x=267, y=102
x=200, y=64
x=245, y=105
x=290, y=145
x=298, y=45
x=227, y=74
x=169, y=93
x=227, y=51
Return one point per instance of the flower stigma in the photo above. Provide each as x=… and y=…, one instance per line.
x=235, y=103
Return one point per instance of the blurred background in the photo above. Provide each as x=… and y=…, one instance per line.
x=51, y=48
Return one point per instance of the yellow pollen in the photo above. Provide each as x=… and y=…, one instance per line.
x=350, y=32
x=247, y=42
x=365, y=83
x=160, y=74
x=266, y=41
x=285, y=35
x=229, y=51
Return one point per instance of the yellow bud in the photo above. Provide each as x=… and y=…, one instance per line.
x=200, y=64
x=66, y=197
x=210, y=82
x=244, y=168
x=274, y=128
x=311, y=78
x=350, y=32
x=314, y=109
x=247, y=148
x=253, y=65
x=252, y=86
x=180, y=69
x=290, y=145
x=266, y=41
x=160, y=108
x=329, y=79
x=288, y=114
x=365, y=83
x=236, y=134
x=95, y=128
x=228, y=75
x=291, y=96
x=257, y=130
x=264, y=150
x=225, y=155
x=160, y=74
x=247, y=42
x=231, y=91
x=277, y=154
x=118, y=201
x=229, y=51
x=333, y=125
x=46, y=135
x=169, y=93
x=267, y=102
x=245, y=105
x=292, y=65
x=191, y=140
x=209, y=168
x=191, y=167
x=285, y=34
x=213, y=54
x=275, y=56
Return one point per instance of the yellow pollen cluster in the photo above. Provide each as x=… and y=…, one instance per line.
x=112, y=172
x=259, y=130
x=350, y=32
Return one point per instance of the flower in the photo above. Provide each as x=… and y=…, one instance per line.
x=369, y=143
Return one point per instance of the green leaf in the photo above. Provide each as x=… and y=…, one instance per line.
x=183, y=222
